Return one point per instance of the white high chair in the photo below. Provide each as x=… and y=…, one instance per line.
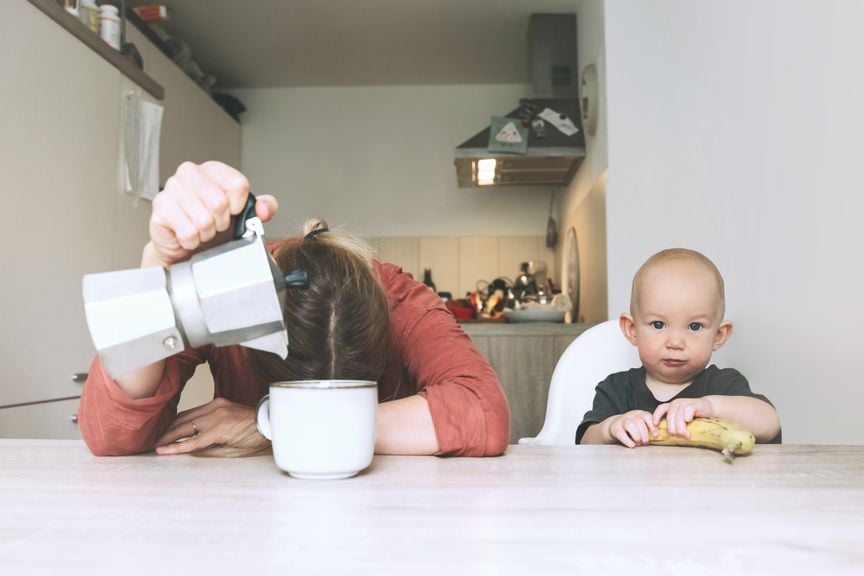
x=588, y=360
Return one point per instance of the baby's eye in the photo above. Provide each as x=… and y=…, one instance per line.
x=695, y=326
x=658, y=325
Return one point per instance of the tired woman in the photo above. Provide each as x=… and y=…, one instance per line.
x=358, y=319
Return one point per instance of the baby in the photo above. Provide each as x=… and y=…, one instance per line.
x=676, y=321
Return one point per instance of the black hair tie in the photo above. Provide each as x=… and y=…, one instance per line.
x=314, y=233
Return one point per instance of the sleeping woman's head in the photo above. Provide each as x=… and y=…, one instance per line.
x=338, y=327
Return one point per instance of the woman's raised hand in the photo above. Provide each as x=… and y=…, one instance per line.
x=195, y=208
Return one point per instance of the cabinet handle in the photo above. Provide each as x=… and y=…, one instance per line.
x=79, y=376
x=74, y=418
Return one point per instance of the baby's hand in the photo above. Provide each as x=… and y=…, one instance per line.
x=681, y=411
x=632, y=428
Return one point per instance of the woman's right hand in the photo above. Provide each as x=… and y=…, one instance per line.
x=194, y=210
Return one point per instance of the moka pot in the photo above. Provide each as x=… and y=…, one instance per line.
x=230, y=294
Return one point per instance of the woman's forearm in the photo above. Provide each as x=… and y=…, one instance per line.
x=405, y=426
x=144, y=382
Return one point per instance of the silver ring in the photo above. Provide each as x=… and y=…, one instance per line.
x=195, y=429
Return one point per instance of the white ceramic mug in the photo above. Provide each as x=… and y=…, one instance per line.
x=320, y=429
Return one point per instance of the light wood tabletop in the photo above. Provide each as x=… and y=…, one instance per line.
x=537, y=510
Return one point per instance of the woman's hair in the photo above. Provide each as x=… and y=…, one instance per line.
x=338, y=327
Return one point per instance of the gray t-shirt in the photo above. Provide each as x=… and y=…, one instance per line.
x=625, y=391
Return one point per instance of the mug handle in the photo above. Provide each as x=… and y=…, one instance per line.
x=262, y=417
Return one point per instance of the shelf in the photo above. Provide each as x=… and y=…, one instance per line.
x=118, y=60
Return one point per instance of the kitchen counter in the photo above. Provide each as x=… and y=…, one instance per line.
x=503, y=328
x=537, y=510
x=524, y=356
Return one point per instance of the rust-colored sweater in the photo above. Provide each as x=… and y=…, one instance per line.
x=430, y=355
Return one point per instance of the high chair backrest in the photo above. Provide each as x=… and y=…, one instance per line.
x=589, y=359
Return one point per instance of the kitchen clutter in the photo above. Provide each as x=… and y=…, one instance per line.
x=166, y=29
x=103, y=20
x=532, y=297
x=107, y=22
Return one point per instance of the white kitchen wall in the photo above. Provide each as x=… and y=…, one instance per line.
x=462, y=264
x=583, y=204
x=735, y=129
x=379, y=160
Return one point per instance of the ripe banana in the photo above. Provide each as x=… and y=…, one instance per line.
x=729, y=437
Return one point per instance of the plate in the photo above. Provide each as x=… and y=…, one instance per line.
x=535, y=315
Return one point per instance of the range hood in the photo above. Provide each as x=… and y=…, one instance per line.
x=551, y=157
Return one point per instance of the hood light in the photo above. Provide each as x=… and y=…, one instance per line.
x=486, y=171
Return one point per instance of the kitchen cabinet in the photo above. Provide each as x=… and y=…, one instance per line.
x=61, y=110
x=64, y=212
x=194, y=127
x=524, y=357
x=56, y=419
x=55, y=10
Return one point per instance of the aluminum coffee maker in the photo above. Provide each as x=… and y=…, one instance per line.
x=230, y=294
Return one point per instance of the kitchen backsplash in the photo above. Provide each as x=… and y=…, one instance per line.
x=458, y=263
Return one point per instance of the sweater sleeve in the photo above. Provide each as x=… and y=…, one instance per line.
x=468, y=406
x=114, y=424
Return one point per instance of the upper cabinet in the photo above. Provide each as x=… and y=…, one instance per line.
x=59, y=142
x=125, y=65
x=66, y=213
x=194, y=127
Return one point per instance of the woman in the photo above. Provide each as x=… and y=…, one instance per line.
x=359, y=318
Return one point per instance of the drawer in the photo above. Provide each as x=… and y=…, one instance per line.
x=57, y=419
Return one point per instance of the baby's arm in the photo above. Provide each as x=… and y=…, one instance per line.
x=756, y=415
x=632, y=429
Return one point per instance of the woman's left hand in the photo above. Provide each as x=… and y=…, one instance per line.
x=220, y=421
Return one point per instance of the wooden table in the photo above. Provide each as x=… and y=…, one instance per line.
x=537, y=510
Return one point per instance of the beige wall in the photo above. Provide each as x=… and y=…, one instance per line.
x=458, y=263
x=737, y=132
x=588, y=220
x=583, y=204
x=379, y=160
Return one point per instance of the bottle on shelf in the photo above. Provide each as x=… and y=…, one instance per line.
x=427, y=279
x=71, y=6
x=109, y=25
x=88, y=13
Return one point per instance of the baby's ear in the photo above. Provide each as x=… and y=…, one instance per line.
x=628, y=327
x=724, y=331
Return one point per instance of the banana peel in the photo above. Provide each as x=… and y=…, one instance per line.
x=730, y=438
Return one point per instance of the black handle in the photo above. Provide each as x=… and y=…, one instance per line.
x=297, y=279
x=245, y=214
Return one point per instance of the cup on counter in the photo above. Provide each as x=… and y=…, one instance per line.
x=320, y=429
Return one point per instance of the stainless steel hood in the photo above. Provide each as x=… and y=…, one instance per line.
x=551, y=157
x=551, y=160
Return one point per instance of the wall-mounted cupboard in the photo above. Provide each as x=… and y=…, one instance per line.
x=65, y=212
